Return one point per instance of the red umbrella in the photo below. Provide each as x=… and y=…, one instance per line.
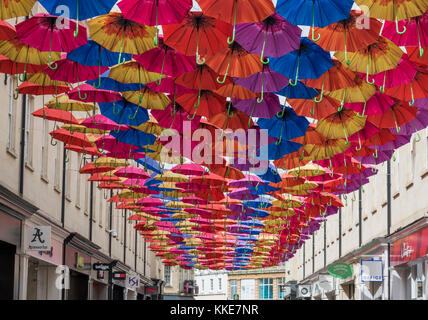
x=56, y=115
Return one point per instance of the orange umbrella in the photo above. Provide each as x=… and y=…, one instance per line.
x=55, y=115
x=226, y=171
x=236, y=91
x=233, y=119
x=38, y=90
x=234, y=61
x=205, y=104
x=7, y=31
x=414, y=56
x=237, y=11
x=349, y=35
x=197, y=35
x=290, y=161
x=314, y=109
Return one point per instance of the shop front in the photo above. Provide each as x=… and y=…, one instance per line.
x=13, y=212
x=409, y=262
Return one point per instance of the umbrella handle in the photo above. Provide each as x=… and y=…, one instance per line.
x=322, y=92
x=80, y=95
x=16, y=94
x=262, y=59
x=413, y=97
x=159, y=81
x=114, y=108
x=364, y=111
x=155, y=40
x=382, y=88
x=347, y=61
x=76, y=32
x=122, y=45
x=418, y=137
x=135, y=114
x=313, y=24
x=199, y=62
x=375, y=155
x=52, y=140
x=396, y=20
x=234, y=25
x=229, y=115
x=297, y=73
x=359, y=141
x=394, y=158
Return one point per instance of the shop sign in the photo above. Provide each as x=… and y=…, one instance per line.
x=151, y=290
x=119, y=275
x=340, y=270
x=101, y=267
x=371, y=270
x=39, y=238
x=132, y=281
x=326, y=282
x=410, y=248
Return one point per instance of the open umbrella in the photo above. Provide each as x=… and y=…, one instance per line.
x=298, y=64
x=12, y=9
x=197, y=35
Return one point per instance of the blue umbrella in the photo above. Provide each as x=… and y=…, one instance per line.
x=315, y=13
x=285, y=126
x=111, y=84
x=259, y=214
x=128, y=113
x=310, y=61
x=253, y=223
x=93, y=54
x=134, y=137
x=78, y=10
x=299, y=91
x=271, y=175
x=278, y=151
x=152, y=165
x=257, y=204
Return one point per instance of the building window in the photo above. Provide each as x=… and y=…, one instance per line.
x=11, y=117
x=45, y=141
x=265, y=289
x=57, y=176
x=29, y=131
x=203, y=284
x=219, y=284
x=212, y=284
x=167, y=276
x=280, y=282
x=233, y=288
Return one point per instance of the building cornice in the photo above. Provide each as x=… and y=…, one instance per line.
x=16, y=205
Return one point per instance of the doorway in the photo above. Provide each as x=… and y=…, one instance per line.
x=7, y=270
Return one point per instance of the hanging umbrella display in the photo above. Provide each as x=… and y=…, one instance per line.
x=7, y=31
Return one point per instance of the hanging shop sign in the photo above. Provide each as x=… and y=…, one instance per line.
x=101, y=267
x=151, y=290
x=326, y=282
x=410, y=248
x=371, y=270
x=132, y=281
x=119, y=275
x=340, y=270
x=39, y=238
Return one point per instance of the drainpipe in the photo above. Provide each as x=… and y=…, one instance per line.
x=110, y=224
x=91, y=206
x=340, y=230
x=124, y=238
x=64, y=262
x=325, y=243
x=304, y=246
x=22, y=152
x=388, y=195
x=145, y=250
x=64, y=154
x=313, y=253
x=135, y=250
x=360, y=218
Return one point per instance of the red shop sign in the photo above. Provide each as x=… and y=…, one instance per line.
x=410, y=248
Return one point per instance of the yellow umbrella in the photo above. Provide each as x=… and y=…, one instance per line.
x=361, y=92
x=147, y=99
x=44, y=80
x=308, y=170
x=128, y=194
x=179, y=204
x=341, y=124
x=183, y=215
x=151, y=126
x=65, y=103
x=171, y=177
x=17, y=51
x=15, y=8
x=117, y=34
x=82, y=129
x=186, y=224
x=111, y=162
x=133, y=72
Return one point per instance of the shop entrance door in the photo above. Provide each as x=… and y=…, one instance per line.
x=117, y=293
x=7, y=270
x=78, y=286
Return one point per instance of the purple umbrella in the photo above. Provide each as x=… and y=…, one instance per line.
x=242, y=193
x=273, y=37
x=265, y=81
x=421, y=103
x=266, y=109
x=248, y=181
x=382, y=156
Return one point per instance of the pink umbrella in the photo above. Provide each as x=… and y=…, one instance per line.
x=144, y=190
x=92, y=94
x=165, y=60
x=134, y=182
x=132, y=172
x=150, y=202
x=415, y=34
x=273, y=37
x=49, y=33
x=125, y=155
x=72, y=72
x=404, y=73
x=189, y=169
x=147, y=11
x=111, y=144
x=103, y=123
x=175, y=117
x=377, y=104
